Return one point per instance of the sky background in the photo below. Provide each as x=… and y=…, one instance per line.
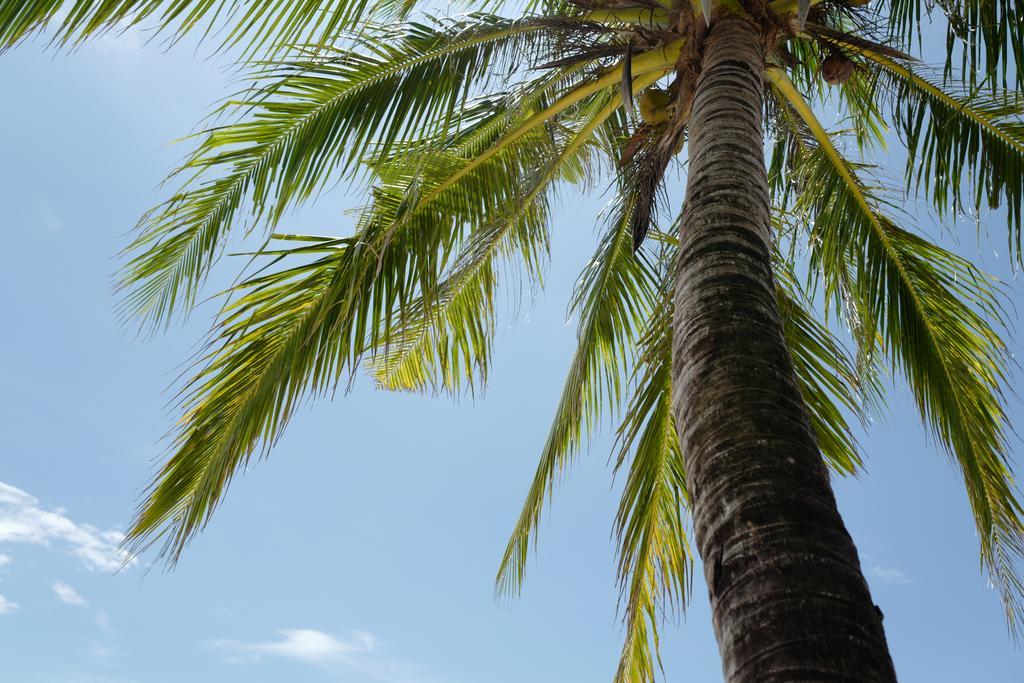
x=364, y=549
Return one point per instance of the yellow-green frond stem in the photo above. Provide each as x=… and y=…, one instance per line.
x=653, y=17
x=659, y=60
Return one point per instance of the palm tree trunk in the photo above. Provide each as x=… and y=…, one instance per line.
x=788, y=597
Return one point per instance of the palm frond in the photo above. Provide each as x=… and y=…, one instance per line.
x=297, y=331
x=309, y=122
x=613, y=298
x=434, y=346
x=830, y=381
x=442, y=345
x=658, y=60
x=959, y=140
x=931, y=311
x=282, y=331
x=291, y=333
x=986, y=35
x=250, y=26
x=655, y=558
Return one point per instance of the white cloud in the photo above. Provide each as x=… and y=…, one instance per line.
x=5, y=560
x=103, y=621
x=98, y=650
x=7, y=607
x=67, y=594
x=22, y=520
x=889, y=575
x=360, y=653
x=304, y=645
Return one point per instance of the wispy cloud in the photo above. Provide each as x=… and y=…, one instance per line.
x=304, y=645
x=103, y=621
x=7, y=607
x=359, y=653
x=889, y=575
x=104, y=648
x=23, y=520
x=68, y=595
x=5, y=560
x=104, y=651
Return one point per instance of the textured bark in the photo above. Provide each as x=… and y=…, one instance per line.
x=787, y=594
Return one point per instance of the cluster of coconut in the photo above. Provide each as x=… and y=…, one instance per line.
x=655, y=104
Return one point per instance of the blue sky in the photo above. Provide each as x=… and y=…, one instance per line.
x=364, y=549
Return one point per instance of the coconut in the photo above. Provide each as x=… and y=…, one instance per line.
x=836, y=69
x=654, y=106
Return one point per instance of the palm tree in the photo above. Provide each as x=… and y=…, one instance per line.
x=714, y=342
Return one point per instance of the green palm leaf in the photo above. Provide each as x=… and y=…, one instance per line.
x=300, y=329
x=831, y=384
x=442, y=344
x=959, y=139
x=987, y=36
x=249, y=25
x=931, y=310
x=310, y=121
x=613, y=298
x=655, y=559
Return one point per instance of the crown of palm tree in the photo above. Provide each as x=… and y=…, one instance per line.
x=463, y=130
